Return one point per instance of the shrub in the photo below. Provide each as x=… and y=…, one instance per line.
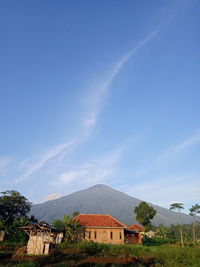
x=147, y=241
x=92, y=248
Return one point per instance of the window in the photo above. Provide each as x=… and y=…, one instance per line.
x=89, y=235
x=95, y=235
x=120, y=235
x=111, y=235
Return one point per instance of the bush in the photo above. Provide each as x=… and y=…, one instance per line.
x=92, y=248
x=147, y=241
x=64, y=245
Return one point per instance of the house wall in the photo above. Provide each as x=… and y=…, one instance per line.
x=59, y=237
x=105, y=235
x=38, y=245
x=2, y=235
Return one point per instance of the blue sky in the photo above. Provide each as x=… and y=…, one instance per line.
x=101, y=92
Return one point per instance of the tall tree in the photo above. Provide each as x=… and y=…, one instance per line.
x=144, y=214
x=179, y=207
x=193, y=212
x=14, y=209
x=70, y=227
x=59, y=224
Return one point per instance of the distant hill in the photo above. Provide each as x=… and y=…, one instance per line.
x=103, y=200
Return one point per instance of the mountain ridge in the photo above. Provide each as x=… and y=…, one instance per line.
x=102, y=199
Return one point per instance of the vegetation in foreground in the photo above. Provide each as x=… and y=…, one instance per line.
x=91, y=254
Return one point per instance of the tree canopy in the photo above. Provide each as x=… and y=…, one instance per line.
x=176, y=206
x=69, y=225
x=144, y=214
x=59, y=224
x=179, y=207
x=194, y=210
x=14, y=209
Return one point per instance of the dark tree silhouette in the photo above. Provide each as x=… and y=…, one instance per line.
x=144, y=214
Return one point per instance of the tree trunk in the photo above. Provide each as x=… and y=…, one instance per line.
x=181, y=230
x=193, y=231
x=182, y=237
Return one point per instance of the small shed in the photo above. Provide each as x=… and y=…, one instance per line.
x=133, y=234
x=41, y=238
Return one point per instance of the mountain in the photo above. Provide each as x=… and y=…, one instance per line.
x=103, y=200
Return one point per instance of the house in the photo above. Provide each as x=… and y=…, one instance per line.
x=133, y=234
x=41, y=238
x=101, y=228
x=151, y=234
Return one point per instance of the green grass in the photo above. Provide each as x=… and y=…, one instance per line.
x=163, y=255
x=25, y=264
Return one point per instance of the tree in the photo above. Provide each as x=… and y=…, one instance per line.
x=59, y=225
x=75, y=213
x=161, y=231
x=193, y=212
x=179, y=207
x=144, y=214
x=70, y=226
x=14, y=210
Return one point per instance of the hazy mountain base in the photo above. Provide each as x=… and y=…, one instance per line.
x=101, y=199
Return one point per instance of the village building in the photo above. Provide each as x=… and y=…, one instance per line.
x=151, y=234
x=133, y=234
x=41, y=238
x=101, y=228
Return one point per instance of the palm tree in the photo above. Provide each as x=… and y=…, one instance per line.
x=179, y=207
x=193, y=212
x=72, y=229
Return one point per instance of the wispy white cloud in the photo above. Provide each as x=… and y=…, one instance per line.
x=54, y=152
x=177, y=186
x=175, y=151
x=88, y=121
x=4, y=164
x=95, y=171
x=170, y=155
x=100, y=91
x=166, y=190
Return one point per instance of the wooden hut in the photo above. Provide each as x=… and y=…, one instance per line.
x=133, y=234
x=41, y=238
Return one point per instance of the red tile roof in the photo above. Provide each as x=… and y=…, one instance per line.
x=98, y=220
x=135, y=227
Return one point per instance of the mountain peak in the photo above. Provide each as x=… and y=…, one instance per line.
x=100, y=186
x=101, y=199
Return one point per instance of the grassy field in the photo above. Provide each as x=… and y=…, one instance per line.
x=93, y=254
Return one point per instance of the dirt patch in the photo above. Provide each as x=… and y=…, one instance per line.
x=146, y=261
x=20, y=251
x=7, y=248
